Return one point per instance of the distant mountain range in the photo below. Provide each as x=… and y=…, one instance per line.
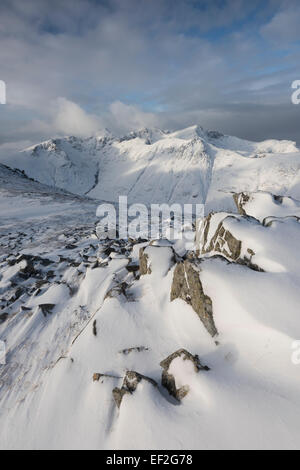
x=152, y=165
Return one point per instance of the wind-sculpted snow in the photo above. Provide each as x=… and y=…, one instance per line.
x=130, y=344
x=262, y=205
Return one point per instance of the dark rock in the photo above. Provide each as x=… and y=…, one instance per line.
x=240, y=200
x=97, y=376
x=132, y=267
x=119, y=289
x=144, y=264
x=95, y=265
x=95, y=327
x=29, y=269
x=130, y=384
x=135, y=348
x=3, y=317
x=187, y=286
x=103, y=265
x=214, y=134
x=25, y=309
x=169, y=381
x=278, y=199
x=109, y=250
x=269, y=221
x=41, y=283
x=46, y=309
x=118, y=394
x=224, y=242
x=17, y=294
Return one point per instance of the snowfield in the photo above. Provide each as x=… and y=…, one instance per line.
x=139, y=344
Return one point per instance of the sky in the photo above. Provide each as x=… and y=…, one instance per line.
x=73, y=67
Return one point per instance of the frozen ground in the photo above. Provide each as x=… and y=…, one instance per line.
x=77, y=313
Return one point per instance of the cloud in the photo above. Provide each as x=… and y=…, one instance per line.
x=123, y=117
x=124, y=64
x=73, y=120
x=284, y=25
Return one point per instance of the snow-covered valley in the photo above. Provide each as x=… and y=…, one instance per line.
x=133, y=344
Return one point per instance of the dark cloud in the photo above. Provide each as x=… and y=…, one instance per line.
x=76, y=66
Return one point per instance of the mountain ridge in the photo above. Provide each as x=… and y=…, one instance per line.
x=153, y=165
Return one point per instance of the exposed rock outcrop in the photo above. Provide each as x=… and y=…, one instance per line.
x=133, y=349
x=145, y=267
x=262, y=204
x=187, y=286
x=95, y=327
x=240, y=200
x=118, y=289
x=217, y=236
x=46, y=309
x=97, y=376
x=269, y=221
x=130, y=383
x=222, y=240
x=156, y=258
x=170, y=378
x=3, y=317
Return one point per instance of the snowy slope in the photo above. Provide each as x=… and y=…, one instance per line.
x=263, y=204
x=248, y=399
x=78, y=313
x=150, y=165
x=22, y=198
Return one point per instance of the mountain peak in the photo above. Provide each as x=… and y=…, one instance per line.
x=152, y=165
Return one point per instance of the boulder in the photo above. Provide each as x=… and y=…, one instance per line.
x=187, y=286
x=158, y=259
x=130, y=383
x=95, y=327
x=241, y=200
x=269, y=221
x=220, y=239
x=133, y=349
x=144, y=262
x=97, y=376
x=263, y=204
x=171, y=379
x=46, y=309
x=219, y=235
x=120, y=288
x=3, y=317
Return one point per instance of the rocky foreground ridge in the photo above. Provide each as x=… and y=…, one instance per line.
x=127, y=325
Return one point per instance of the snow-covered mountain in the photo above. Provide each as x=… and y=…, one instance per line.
x=151, y=165
x=130, y=344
